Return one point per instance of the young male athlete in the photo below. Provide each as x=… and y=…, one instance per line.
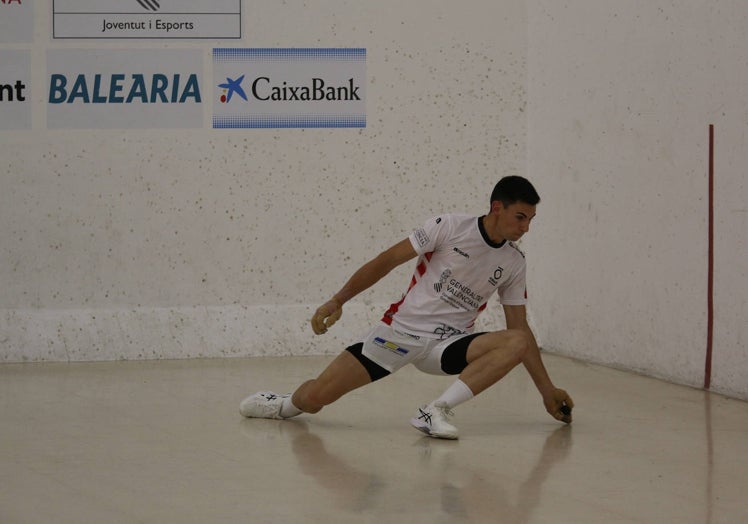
x=462, y=260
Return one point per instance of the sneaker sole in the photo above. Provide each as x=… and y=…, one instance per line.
x=423, y=428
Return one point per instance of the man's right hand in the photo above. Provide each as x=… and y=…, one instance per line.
x=326, y=315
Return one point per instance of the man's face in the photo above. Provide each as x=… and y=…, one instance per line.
x=514, y=220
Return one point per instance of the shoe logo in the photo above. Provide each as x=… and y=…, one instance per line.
x=425, y=416
x=270, y=396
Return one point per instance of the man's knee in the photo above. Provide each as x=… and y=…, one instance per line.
x=514, y=342
x=519, y=341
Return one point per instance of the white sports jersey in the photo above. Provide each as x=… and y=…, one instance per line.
x=457, y=270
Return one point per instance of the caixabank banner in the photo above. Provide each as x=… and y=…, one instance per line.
x=289, y=88
x=135, y=88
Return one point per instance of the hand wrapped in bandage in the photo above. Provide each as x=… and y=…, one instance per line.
x=559, y=405
x=326, y=315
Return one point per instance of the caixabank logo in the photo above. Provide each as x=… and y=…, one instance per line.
x=263, y=90
x=116, y=88
x=282, y=88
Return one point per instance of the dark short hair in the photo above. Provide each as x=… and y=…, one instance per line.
x=511, y=189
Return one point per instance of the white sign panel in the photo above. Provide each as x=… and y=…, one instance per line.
x=101, y=19
x=148, y=88
x=15, y=89
x=289, y=88
x=16, y=21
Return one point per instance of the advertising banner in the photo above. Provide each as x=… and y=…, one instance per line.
x=16, y=21
x=289, y=88
x=15, y=89
x=102, y=19
x=148, y=88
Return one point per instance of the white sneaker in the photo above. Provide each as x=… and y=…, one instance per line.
x=433, y=419
x=264, y=404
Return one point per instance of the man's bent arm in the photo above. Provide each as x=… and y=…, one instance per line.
x=557, y=402
x=516, y=318
x=365, y=277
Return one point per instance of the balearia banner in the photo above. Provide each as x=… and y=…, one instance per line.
x=134, y=88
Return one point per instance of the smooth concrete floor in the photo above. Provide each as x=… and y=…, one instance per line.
x=163, y=442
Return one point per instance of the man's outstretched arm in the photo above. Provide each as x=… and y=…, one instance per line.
x=365, y=277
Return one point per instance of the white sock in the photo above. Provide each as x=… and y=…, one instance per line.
x=456, y=394
x=288, y=410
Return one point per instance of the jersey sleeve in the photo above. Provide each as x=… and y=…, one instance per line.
x=514, y=291
x=428, y=238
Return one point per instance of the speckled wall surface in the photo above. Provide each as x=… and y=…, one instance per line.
x=131, y=244
x=619, y=111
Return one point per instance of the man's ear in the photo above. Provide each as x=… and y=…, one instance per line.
x=496, y=206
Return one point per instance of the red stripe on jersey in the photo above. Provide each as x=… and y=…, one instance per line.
x=420, y=270
x=392, y=311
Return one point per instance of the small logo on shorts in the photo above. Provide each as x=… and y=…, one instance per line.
x=390, y=346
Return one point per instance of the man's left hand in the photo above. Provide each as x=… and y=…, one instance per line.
x=559, y=404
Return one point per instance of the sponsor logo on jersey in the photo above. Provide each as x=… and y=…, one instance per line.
x=421, y=237
x=462, y=295
x=442, y=280
x=461, y=252
x=494, y=279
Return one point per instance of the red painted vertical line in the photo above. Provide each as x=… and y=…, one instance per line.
x=710, y=269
